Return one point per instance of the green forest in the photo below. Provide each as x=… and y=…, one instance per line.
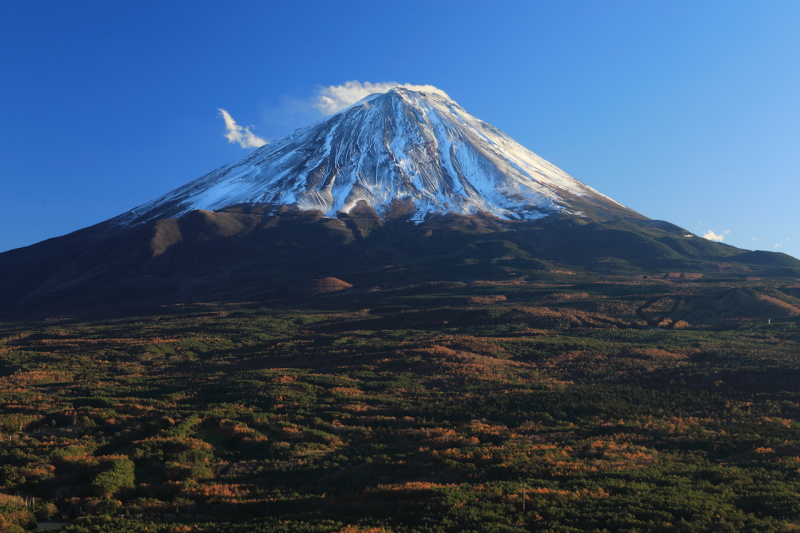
x=660, y=403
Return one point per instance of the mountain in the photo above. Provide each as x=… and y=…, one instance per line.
x=400, y=145
x=402, y=187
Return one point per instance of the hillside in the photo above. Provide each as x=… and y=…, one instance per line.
x=245, y=252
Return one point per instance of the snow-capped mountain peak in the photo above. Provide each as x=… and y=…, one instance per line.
x=408, y=144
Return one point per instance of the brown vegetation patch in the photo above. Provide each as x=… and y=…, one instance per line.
x=434, y=350
x=348, y=392
x=745, y=304
x=506, y=283
x=738, y=304
x=657, y=354
x=487, y=300
x=565, y=296
x=218, y=493
x=474, y=345
x=444, y=361
x=8, y=499
x=319, y=286
x=36, y=377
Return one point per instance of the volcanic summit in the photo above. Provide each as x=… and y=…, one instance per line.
x=400, y=145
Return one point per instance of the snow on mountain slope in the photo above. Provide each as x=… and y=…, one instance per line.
x=402, y=144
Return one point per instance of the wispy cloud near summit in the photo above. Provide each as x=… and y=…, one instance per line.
x=240, y=134
x=711, y=236
x=337, y=97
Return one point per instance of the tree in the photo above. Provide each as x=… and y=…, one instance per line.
x=119, y=476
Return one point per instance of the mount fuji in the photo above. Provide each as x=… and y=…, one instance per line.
x=400, y=145
x=400, y=188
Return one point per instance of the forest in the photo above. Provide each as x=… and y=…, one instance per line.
x=665, y=402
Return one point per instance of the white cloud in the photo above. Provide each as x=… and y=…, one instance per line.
x=293, y=111
x=754, y=238
x=711, y=236
x=239, y=134
x=336, y=97
x=779, y=244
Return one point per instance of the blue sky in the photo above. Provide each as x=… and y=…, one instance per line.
x=682, y=110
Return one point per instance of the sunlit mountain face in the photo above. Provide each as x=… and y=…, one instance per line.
x=404, y=144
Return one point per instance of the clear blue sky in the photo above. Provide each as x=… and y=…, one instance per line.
x=682, y=110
